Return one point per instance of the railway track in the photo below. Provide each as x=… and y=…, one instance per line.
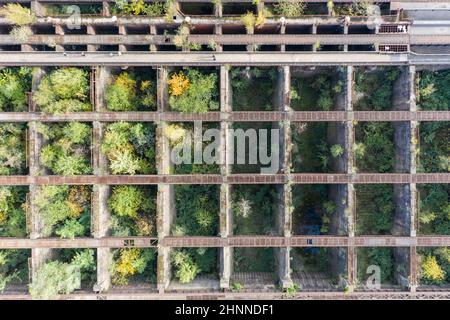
x=248, y=116
x=231, y=241
x=298, y=178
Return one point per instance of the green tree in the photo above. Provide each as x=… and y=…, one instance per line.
x=63, y=90
x=130, y=148
x=12, y=149
x=64, y=210
x=67, y=152
x=14, y=84
x=200, y=96
x=56, y=277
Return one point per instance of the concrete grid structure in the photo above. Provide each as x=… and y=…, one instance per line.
x=404, y=115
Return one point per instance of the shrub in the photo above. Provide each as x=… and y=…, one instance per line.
x=16, y=14
x=65, y=211
x=130, y=148
x=290, y=8
x=139, y=7
x=128, y=93
x=63, y=90
x=14, y=84
x=193, y=91
x=12, y=149
x=68, y=150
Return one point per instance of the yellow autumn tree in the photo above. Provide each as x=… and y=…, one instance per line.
x=431, y=270
x=178, y=83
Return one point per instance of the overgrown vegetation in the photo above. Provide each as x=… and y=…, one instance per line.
x=21, y=18
x=315, y=93
x=139, y=7
x=13, y=267
x=65, y=274
x=311, y=260
x=254, y=260
x=374, y=149
x=312, y=209
x=434, y=209
x=183, y=141
x=432, y=90
x=360, y=8
x=254, y=209
x=130, y=91
x=311, y=150
x=188, y=263
x=378, y=256
x=374, y=88
x=68, y=148
x=64, y=210
x=133, y=211
x=63, y=90
x=434, y=149
x=197, y=210
x=193, y=91
x=434, y=266
x=12, y=211
x=14, y=85
x=290, y=8
x=133, y=264
x=197, y=214
x=130, y=148
x=12, y=149
x=375, y=209
x=253, y=88
x=67, y=9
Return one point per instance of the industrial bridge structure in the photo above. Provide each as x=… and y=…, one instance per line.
x=390, y=45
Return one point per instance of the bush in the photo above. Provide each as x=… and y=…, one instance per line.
x=16, y=14
x=130, y=148
x=12, y=212
x=127, y=93
x=290, y=8
x=12, y=149
x=63, y=90
x=14, y=84
x=65, y=211
x=139, y=7
x=68, y=151
x=134, y=211
x=192, y=91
